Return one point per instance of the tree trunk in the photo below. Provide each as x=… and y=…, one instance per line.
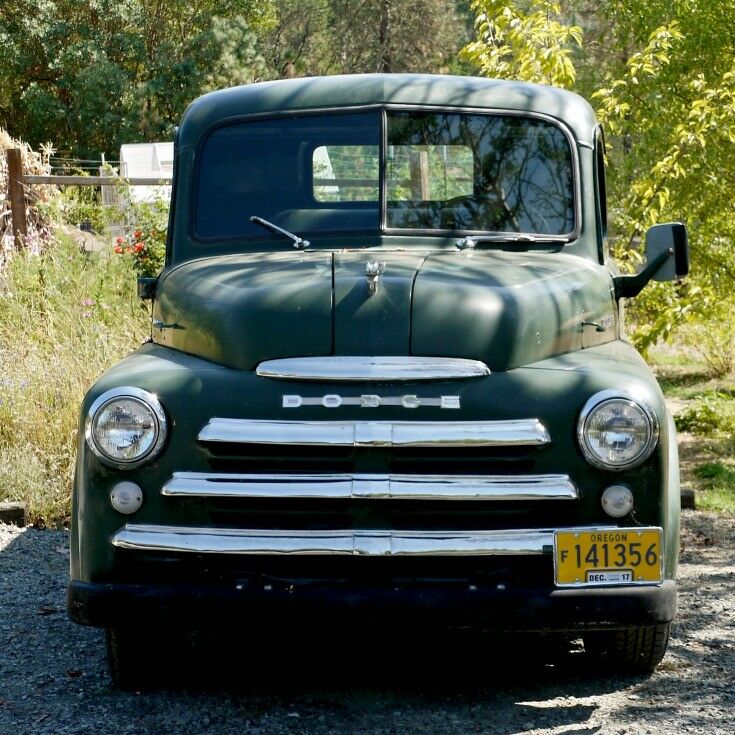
x=385, y=63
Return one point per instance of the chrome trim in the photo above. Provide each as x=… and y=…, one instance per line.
x=339, y=368
x=334, y=400
x=519, y=432
x=151, y=401
x=597, y=400
x=358, y=542
x=371, y=486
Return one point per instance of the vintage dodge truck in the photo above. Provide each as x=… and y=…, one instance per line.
x=387, y=377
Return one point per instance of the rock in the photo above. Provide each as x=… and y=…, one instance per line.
x=13, y=513
x=687, y=498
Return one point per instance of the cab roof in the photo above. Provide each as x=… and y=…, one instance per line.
x=357, y=90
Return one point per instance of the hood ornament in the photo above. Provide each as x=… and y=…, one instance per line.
x=373, y=271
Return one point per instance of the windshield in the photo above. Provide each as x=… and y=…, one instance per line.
x=443, y=172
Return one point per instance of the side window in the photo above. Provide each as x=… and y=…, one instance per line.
x=600, y=185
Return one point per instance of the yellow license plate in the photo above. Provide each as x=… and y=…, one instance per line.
x=617, y=556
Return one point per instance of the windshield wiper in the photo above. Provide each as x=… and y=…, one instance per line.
x=298, y=242
x=471, y=241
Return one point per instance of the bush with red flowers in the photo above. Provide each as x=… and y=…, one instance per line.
x=146, y=243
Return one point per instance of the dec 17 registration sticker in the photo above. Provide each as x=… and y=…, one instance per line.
x=617, y=556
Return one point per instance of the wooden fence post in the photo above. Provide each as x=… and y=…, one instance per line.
x=17, y=195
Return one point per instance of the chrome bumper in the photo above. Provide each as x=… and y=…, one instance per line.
x=335, y=543
x=371, y=486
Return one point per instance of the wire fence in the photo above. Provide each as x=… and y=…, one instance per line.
x=60, y=165
x=61, y=171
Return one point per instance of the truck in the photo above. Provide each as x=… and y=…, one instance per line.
x=387, y=378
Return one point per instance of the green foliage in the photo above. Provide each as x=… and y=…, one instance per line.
x=93, y=74
x=79, y=204
x=662, y=76
x=712, y=415
x=515, y=43
x=65, y=317
x=671, y=110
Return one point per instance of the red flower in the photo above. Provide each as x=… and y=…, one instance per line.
x=118, y=249
x=120, y=240
x=138, y=247
x=137, y=234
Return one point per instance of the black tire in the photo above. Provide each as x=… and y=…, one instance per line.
x=138, y=660
x=633, y=650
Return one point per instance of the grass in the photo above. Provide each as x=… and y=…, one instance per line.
x=65, y=316
x=704, y=410
x=718, y=482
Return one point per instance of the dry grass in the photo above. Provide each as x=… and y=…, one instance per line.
x=65, y=317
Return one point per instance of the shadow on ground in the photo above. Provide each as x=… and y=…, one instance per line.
x=353, y=678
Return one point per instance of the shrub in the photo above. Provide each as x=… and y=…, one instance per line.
x=712, y=415
x=714, y=342
x=145, y=245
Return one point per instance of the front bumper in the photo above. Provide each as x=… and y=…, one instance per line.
x=518, y=609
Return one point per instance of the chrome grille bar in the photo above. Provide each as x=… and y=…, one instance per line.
x=520, y=432
x=340, y=543
x=372, y=486
x=340, y=368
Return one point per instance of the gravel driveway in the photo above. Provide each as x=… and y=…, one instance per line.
x=53, y=679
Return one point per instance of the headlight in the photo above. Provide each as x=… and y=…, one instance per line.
x=126, y=427
x=617, y=431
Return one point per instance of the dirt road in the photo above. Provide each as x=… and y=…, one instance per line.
x=53, y=678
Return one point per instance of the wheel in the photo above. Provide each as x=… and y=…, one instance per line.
x=128, y=661
x=136, y=659
x=638, y=649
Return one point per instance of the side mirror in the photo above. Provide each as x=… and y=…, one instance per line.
x=147, y=288
x=667, y=258
x=671, y=236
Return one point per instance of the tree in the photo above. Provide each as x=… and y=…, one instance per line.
x=348, y=37
x=92, y=74
x=518, y=43
x=663, y=80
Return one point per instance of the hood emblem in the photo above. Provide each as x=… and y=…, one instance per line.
x=373, y=271
x=332, y=400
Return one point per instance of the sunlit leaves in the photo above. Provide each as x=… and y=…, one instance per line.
x=514, y=43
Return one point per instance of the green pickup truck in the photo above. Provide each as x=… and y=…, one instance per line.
x=387, y=378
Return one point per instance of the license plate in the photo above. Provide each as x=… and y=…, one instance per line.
x=617, y=556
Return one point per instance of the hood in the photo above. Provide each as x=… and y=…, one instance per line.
x=506, y=309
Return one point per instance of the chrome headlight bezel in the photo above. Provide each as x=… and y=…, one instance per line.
x=597, y=401
x=147, y=399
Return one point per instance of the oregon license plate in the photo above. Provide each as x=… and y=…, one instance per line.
x=614, y=556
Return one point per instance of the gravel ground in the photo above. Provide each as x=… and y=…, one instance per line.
x=53, y=677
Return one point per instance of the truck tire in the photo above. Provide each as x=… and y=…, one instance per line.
x=139, y=660
x=635, y=650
